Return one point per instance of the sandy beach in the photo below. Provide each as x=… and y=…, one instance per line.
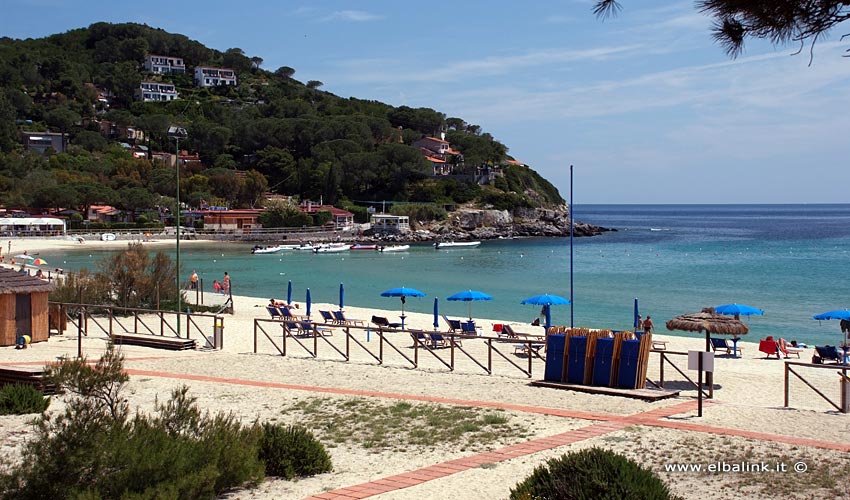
x=746, y=420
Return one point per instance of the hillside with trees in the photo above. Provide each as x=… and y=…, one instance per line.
x=270, y=133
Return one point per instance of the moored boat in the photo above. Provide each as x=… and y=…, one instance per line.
x=363, y=246
x=455, y=244
x=331, y=248
x=394, y=248
x=266, y=249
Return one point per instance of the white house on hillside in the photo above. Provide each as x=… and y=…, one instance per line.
x=206, y=76
x=164, y=64
x=156, y=91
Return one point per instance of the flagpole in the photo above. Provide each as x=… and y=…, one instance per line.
x=572, y=300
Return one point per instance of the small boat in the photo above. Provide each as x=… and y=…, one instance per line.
x=363, y=246
x=455, y=244
x=306, y=246
x=267, y=249
x=332, y=248
x=394, y=248
x=107, y=237
x=290, y=247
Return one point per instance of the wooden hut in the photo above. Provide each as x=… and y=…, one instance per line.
x=23, y=307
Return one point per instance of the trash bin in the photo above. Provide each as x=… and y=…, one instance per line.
x=218, y=334
x=554, y=358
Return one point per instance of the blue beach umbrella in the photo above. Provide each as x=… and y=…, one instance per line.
x=546, y=300
x=402, y=292
x=469, y=296
x=289, y=293
x=840, y=314
x=637, y=315
x=836, y=314
x=341, y=296
x=737, y=310
x=309, y=302
x=436, y=313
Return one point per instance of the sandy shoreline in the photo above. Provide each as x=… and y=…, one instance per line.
x=749, y=396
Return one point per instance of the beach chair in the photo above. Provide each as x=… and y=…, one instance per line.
x=275, y=313
x=340, y=319
x=420, y=337
x=826, y=353
x=468, y=328
x=769, y=347
x=383, y=322
x=724, y=345
x=787, y=349
x=328, y=317
x=295, y=328
x=528, y=349
x=444, y=340
x=310, y=328
x=454, y=324
x=287, y=315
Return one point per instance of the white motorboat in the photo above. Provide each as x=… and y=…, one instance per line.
x=332, y=248
x=266, y=249
x=307, y=246
x=456, y=244
x=292, y=247
x=394, y=248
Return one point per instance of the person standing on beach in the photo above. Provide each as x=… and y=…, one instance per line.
x=639, y=325
x=225, y=285
x=193, y=280
x=647, y=325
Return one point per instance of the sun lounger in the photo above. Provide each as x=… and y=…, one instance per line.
x=383, y=322
x=328, y=317
x=275, y=313
x=454, y=324
x=440, y=340
x=468, y=328
x=826, y=353
x=310, y=328
x=340, y=319
x=528, y=348
x=287, y=315
x=725, y=345
x=769, y=347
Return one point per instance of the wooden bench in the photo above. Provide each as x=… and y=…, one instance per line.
x=29, y=375
x=155, y=341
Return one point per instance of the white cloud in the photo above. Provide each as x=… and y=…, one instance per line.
x=353, y=15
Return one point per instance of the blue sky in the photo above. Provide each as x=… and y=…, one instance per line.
x=644, y=105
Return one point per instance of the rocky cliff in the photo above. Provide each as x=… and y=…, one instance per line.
x=481, y=224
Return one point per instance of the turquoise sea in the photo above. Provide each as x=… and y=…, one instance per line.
x=790, y=260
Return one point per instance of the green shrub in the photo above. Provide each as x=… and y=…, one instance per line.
x=94, y=449
x=591, y=474
x=20, y=399
x=290, y=451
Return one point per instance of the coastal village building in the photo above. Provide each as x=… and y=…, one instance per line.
x=164, y=64
x=342, y=219
x=40, y=142
x=386, y=223
x=103, y=213
x=155, y=91
x=438, y=151
x=207, y=76
x=31, y=225
x=23, y=307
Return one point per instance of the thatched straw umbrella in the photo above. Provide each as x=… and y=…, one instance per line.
x=709, y=322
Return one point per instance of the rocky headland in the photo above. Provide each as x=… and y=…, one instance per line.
x=484, y=224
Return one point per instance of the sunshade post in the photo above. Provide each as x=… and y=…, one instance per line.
x=289, y=293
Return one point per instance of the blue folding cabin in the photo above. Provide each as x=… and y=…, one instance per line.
x=629, y=364
x=575, y=360
x=602, y=361
x=554, y=358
